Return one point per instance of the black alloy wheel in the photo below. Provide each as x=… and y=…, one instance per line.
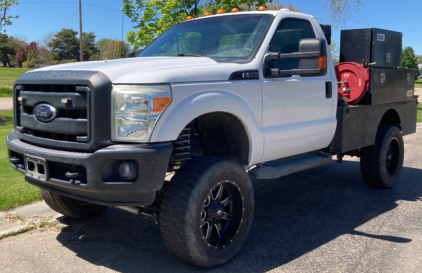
x=222, y=215
x=381, y=163
x=392, y=157
x=206, y=211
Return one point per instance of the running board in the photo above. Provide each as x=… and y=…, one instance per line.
x=289, y=165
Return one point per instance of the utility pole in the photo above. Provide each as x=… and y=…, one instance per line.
x=80, y=33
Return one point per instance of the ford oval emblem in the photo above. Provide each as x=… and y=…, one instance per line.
x=45, y=112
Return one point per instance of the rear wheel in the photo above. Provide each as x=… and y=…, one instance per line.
x=207, y=211
x=381, y=163
x=70, y=207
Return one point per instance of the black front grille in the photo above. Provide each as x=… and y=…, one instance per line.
x=71, y=102
x=82, y=100
x=53, y=136
x=62, y=113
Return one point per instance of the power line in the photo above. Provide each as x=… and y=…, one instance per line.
x=68, y=2
x=74, y=2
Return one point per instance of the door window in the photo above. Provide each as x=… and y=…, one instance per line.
x=286, y=40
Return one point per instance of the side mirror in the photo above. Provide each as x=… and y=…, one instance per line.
x=130, y=54
x=312, y=57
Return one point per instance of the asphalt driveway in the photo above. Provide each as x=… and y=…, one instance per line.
x=320, y=220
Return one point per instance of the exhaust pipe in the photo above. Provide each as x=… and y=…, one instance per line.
x=141, y=211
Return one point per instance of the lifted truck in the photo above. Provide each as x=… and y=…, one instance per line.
x=216, y=100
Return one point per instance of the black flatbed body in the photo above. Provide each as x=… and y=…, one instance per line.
x=357, y=125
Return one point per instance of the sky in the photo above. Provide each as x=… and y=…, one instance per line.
x=37, y=18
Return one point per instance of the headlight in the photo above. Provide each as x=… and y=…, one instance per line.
x=136, y=108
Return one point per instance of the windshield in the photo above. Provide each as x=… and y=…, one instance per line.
x=231, y=38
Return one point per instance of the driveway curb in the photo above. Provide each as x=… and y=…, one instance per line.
x=25, y=212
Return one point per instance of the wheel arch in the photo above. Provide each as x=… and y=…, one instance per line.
x=222, y=134
x=391, y=117
x=222, y=107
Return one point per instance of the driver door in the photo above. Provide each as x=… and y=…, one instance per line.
x=298, y=117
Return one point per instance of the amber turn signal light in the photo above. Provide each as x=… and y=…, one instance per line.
x=322, y=62
x=158, y=104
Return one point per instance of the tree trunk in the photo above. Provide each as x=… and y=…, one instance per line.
x=8, y=61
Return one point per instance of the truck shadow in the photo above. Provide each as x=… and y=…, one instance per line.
x=293, y=216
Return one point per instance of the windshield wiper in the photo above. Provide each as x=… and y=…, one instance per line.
x=189, y=55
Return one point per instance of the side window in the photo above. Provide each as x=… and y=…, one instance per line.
x=286, y=40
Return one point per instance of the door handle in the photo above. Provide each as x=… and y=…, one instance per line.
x=328, y=90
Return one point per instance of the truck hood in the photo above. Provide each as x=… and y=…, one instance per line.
x=155, y=69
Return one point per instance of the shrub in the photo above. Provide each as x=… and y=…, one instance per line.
x=6, y=92
x=32, y=63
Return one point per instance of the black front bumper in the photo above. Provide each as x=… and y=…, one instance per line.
x=93, y=177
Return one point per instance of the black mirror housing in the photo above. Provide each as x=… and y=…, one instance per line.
x=308, y=64
x=130, y=54
x=312, y=57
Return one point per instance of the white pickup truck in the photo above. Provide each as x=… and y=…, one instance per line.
x=214, y=100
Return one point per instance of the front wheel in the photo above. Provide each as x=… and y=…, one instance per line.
x=207, y=211
x=382, y=162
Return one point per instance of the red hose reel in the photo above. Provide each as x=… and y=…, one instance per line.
x=353, y=81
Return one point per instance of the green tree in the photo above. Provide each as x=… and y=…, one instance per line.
x=112, y=49
x=91, y=51
x=270, y=5
x=65, y=46
x=153, y=17
x=8, y=47
x=409, y=59
x=7, y=50
x=102, y=45
x=44, y=57
x=419, y=57
x=335, y=52
x=16, y=42
x=116, y=50
x=6, y=20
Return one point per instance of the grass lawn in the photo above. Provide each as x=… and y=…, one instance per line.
x=14, y=191
x=418, y=83
x=419, y=118
x=6, y=92
x=8, y=75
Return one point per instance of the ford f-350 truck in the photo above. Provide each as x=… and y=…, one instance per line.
x=215, y=101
